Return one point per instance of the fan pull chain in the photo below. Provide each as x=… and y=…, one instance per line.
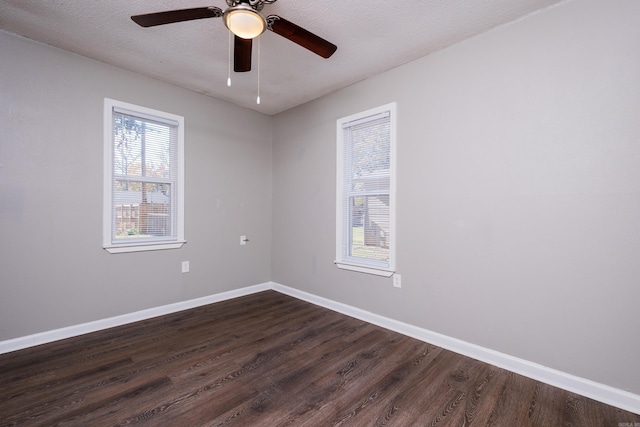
x=229, y=68
x=258, y=98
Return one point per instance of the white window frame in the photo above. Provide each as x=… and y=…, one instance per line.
x=342, y=260
x=171, y=242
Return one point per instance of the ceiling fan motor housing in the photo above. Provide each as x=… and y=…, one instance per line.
x=256, y=5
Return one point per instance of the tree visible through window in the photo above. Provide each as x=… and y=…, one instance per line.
x=143, y=189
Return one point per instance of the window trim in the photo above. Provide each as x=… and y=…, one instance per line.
x=350, y=263
x=107, y=214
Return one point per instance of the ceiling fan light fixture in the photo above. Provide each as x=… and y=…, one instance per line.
x=244, y=22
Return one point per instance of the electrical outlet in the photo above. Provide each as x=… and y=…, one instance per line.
x=185, y=266
x=397, y=281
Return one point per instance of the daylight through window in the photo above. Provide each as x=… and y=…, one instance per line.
x=365, y=201
x=143, y=179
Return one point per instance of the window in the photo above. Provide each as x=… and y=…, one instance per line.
x=365, y=219
x=143, y=178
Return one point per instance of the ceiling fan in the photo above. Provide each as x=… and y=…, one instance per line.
x=244, y=20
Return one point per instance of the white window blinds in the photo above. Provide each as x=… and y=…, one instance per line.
x=144, y=178
x=365, y=199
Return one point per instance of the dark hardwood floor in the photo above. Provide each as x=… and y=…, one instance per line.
x=271, y=360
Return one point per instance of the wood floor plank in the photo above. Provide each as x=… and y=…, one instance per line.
x=428, y=395
x=269, y=359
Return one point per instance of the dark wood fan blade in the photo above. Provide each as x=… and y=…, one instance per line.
x=171, y=16
x=299, y=35
x=242, y=54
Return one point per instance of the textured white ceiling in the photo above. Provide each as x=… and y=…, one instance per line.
x=372, y=36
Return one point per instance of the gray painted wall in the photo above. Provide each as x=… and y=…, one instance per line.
x=53, y=271
x=518, y=192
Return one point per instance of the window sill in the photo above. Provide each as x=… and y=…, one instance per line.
x=140, y=247
x=362, y=269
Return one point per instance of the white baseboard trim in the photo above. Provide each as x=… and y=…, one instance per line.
x=600, y=392
x=591, y=389
x=98, y=325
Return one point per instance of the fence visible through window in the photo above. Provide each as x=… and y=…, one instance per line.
x=142, y=220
